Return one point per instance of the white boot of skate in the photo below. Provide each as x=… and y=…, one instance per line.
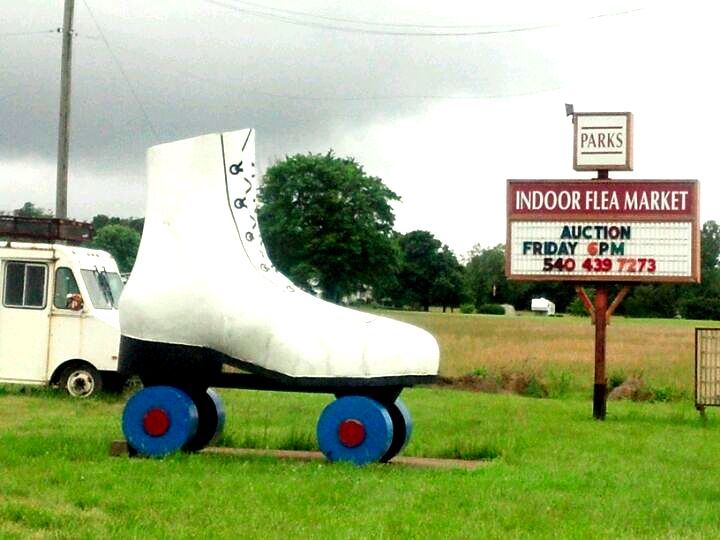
x=204, y=294
x=202, y=279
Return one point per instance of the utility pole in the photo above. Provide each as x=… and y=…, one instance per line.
x=64, y=124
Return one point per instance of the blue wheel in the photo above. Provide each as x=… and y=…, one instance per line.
x=356, y=429
x=159, y=420
x=211, y=419
x=402, y=428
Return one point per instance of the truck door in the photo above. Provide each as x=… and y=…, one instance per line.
x=67, y=319
x=24, y=321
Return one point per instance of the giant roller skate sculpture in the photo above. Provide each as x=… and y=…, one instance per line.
x=203, y=293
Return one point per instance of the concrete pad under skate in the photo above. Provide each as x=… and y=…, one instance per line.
x=121, y=448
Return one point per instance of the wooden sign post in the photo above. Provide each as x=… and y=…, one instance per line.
x=603, y=231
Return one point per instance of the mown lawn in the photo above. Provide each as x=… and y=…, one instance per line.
x=650, y=470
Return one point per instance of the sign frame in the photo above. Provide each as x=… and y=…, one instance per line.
x=627, y=165
x=692, y=216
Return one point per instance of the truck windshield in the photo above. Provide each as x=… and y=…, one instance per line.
x=104, y=288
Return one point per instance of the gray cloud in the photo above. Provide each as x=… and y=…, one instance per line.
x=197, y=67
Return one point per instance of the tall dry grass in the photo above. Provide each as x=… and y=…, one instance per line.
x=660, y=351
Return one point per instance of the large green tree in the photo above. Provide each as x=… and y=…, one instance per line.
x=448, y=289
x=429, y=273
x=101, y=220
x=485, y=275
x=30, y=210
x=710, y=246
x=693, y=301
x=703, y=301
x=420, y=262
x=328, y=224
x=121, y=242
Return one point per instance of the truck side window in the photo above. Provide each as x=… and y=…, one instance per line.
x=25, y=285
x=65, y=285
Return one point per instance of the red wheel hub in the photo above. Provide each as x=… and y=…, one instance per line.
x=351, y=433
x=156, y=422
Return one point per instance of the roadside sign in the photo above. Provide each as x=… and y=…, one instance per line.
x=602, y=230
x=603, y=142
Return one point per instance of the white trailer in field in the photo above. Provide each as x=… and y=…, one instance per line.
x=59, y=321
x=542, y=305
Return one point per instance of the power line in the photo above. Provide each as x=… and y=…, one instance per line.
x=122, y=71
x=322, y=26
x=294, y=20
x=217, y=82
x=83, y=36
x=36, y=33
x=356, y=98
x=49, y=32
x=359, y=21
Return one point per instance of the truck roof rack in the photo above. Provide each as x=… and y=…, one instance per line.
x=48, y=229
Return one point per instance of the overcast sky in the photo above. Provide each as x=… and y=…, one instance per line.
x=444, y=120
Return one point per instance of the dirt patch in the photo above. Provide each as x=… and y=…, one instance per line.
x=514, y=382
x=471, y=383
x=524, y=384
x=633, y=388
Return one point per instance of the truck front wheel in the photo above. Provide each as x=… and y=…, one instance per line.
x=81, y=380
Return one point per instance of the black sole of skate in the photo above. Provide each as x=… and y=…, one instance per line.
x=188, y=366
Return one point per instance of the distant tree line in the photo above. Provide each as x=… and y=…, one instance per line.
x=118, y=236
x=329, y=227
x=486, y=281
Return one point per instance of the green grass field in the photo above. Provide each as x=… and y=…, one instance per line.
x=650, y=470
x=661, y=351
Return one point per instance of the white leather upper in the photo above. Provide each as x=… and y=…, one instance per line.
x=202, y=277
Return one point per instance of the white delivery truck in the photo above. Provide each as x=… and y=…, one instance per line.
x=59, y=321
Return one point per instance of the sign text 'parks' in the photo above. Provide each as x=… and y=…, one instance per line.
x=594, y=230
x=603, y=141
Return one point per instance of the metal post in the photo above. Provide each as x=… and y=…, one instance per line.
x=64, y=124
x=600, y=386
